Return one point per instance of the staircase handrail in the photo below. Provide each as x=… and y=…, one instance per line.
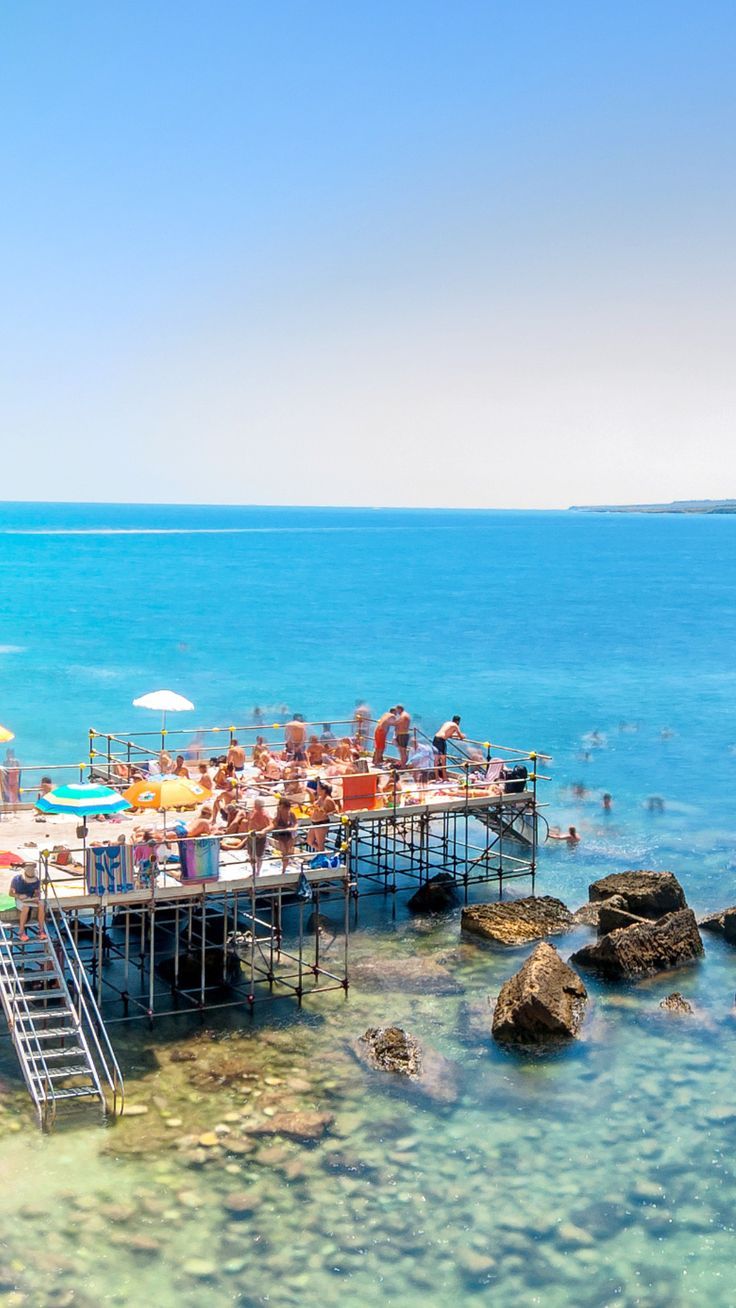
x=94, y=1024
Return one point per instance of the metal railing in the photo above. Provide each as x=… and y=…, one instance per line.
x=21, y=1025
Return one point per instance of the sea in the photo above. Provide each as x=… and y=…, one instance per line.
x=600, y=1174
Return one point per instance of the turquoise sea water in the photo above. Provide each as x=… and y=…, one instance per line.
x=602, y=1175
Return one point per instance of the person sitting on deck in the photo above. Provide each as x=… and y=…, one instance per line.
x=422, y=761
x=258, y=826
x=45, y=786
x=380, y=735
x=315, y=752
x=448, y=731
x=236, y=756
x=327, y=735
x=165, y=763
x=180, y=767
x=203, y=777
x=26, y=889
x=225, y=778
x=202, y=825
x=284, y=831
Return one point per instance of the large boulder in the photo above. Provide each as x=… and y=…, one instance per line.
x=721, y=924
x=519, y=921
x=644, y=894
x=612, y=913
x=436, y=895
x=543, y=1002
x=644, y=947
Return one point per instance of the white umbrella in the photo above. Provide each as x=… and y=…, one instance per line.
x=163, y=702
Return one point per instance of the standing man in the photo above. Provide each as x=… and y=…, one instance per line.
x=380, y=736
x=295, y=734
x=236, y=755
x=259, y=825
x=401, y=733
x=448, y=731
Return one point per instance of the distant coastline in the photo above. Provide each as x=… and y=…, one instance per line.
x=675, y=506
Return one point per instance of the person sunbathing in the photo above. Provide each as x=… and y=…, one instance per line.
x=315, y=752
x=201, y=825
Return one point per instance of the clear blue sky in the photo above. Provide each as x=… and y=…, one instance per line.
x=404, y=253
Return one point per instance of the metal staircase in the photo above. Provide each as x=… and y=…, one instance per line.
x=54, y=1022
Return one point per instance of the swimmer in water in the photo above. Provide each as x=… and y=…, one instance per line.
x=570, y=836
x=607, y=802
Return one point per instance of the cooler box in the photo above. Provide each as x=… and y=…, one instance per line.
x=359, y=791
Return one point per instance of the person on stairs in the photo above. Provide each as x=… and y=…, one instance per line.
x=26, y=887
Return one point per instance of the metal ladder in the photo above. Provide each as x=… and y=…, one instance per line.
x=54, y=1022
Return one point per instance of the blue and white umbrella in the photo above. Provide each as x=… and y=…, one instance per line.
x=82, y=799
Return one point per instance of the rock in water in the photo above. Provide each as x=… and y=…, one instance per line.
x=644, y=947
x=519, y=921
x=676, y=1003
x=391, y=1049
x=436, y=895
x=612, y=913
x=722, y=924
x=417, y=975
x=645, y=894
x=543, y=1002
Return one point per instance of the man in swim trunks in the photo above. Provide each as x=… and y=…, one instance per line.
x=401, y=733
x=236, y=756
x=259, y=825
x=448, y=731
x=26, y=889
x=380, y=735
x=295, y=733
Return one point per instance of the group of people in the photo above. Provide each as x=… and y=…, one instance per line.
x=423, y=759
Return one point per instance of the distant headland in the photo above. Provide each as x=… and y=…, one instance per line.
x=676, y=506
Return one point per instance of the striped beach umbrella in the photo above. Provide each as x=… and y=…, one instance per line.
x=83, y=799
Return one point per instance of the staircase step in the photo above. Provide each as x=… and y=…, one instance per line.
x=72, y=1052
x=83, y=1069
x=78, y=1092
x=51, y=1031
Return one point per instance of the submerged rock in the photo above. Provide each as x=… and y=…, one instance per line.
x=676, y=1003
x=416, y=975
x=391, y=1049
x=587, y=915
x=645, y=894
x=644, y=947
x=436, y=896
x=544, y=1001
x=297, y=1125
x=519, y=921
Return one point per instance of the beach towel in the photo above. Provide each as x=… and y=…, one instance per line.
x=109, y=869
x=199, y=859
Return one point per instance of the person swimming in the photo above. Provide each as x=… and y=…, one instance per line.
x=570, y=836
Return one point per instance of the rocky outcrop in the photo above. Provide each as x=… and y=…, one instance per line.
x=542, y=1003
x=721, y=924
x=645, y=947
x=612, y=914
x=391, y=1049
x=436, y=895
x=415, y=976
x=676, y=1003
x=644, y=894
x=519, y=921
x=586, y=915
x=296, y=1125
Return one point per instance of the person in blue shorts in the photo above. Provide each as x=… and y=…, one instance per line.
x=26, y=888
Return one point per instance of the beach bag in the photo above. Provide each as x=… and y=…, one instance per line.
x=515, y=779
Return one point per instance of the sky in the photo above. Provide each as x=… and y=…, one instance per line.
x=307, y=252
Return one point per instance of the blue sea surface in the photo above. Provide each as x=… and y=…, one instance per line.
x=602, y=1176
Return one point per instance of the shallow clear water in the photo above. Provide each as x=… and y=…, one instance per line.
x=603, y=1174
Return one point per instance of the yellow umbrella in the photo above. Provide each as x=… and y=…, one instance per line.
x=163, y=793
x=6, y=735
